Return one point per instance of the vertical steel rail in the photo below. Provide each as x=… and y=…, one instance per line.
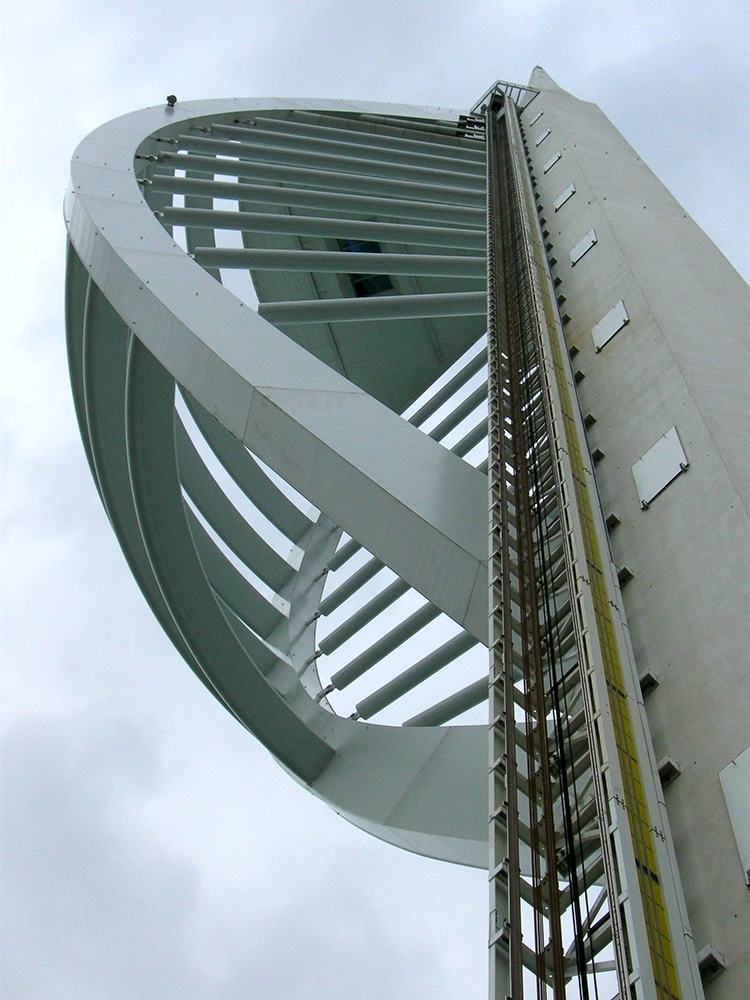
x=506, y=956
x=525, y=433
x=514, y=498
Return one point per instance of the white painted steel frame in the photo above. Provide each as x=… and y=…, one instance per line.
x=142, y=317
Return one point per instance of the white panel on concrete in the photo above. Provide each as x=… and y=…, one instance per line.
x=583, y=246
x=551, y=161
x=543, y=136
x=536, y=118
x=659, y=466
x=610, y=324
x=735, y=783
x=560, y=200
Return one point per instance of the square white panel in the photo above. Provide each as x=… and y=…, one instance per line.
x=583, y=246
x=560, y=200
x=551, y=162
x=659, y=466
x=735, y=783
x=610, y=324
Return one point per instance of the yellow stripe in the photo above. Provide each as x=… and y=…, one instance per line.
x=660, y=944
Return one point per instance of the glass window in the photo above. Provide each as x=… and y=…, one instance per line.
x=366, y=284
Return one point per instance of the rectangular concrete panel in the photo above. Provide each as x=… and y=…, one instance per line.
x=583, y=246
x=659, y=466
x=569, y=191
x=610, y=324
x=735, y=783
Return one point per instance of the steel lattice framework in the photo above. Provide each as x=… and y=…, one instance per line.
x=404, y=361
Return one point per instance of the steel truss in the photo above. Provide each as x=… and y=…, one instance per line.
x=578, y=858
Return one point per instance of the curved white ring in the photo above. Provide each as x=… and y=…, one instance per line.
x=421, y=788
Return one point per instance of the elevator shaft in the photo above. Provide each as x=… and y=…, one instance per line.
x=580, y=905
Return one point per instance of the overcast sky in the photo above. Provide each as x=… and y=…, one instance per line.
x=150, y=848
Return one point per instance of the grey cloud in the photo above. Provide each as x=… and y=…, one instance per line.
x=87, y=915
x=150, y=848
